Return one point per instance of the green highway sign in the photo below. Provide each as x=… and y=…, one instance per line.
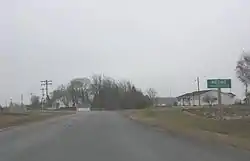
x=219, y=83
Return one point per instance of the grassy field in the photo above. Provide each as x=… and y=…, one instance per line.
x=233, y=132
x=11, y=119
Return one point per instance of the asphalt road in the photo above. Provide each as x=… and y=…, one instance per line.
x=105, y=136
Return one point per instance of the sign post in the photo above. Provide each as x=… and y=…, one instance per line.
x=219, y=83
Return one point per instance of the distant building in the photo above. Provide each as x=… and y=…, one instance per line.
x=165, y=101
x=57, y=104
x=192, y=99
x=83, y=107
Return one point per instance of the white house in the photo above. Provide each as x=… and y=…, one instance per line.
x=57, y=104
x=192, y=99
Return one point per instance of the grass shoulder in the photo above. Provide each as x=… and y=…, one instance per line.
x=235, y=132
x=15, y=119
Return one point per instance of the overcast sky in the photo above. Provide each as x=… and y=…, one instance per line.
x=164, y=44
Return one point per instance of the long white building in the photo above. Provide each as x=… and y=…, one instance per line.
x=191, y=99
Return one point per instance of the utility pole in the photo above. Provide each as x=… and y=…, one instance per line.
x=219, y=96
x=198, y=88
x=21, y=100
x=11, y=103
x=219, y=103
x=31, y=94
x=42, y=89
x=42, y=100
x=46, y=83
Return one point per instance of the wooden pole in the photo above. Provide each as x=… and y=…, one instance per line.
x=219, y=103
x=219, y=96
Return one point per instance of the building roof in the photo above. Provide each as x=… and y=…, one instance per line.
x=195, y=93
x=166, y=100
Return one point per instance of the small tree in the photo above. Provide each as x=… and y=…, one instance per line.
x=243, y=72
x=209, y=99
x=152, y=95
x=35, y=101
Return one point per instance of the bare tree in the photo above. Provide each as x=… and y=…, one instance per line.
x=243, y=71
x=152, y=94
x=82, y=86
x=104, y=92
x=96, y=84
x=61, y=93
x=209, y=99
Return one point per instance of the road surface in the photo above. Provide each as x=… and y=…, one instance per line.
x=105, y=136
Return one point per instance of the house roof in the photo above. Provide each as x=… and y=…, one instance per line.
x=195, y=93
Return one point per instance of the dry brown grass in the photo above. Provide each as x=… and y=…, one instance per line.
x=10, y=119
x=233, y=111
x=234, y=132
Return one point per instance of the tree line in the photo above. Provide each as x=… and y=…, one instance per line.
x=102, y=92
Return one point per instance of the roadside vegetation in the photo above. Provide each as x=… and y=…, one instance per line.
x=14, y=119
x=229, y=124
x=103, y=93
x=193, y=123
x=98, y=91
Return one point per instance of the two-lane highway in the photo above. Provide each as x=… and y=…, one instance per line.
x=105, y=136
